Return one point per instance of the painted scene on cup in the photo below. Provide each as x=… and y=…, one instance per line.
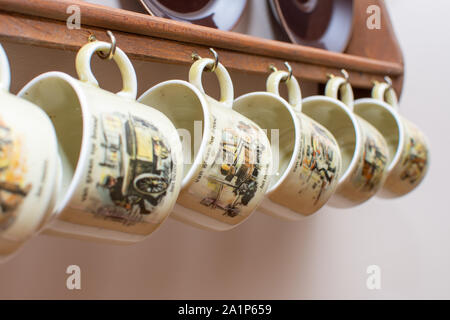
x=13, y=168
x=136, y=169
x=233, y=181
x=319, y=165
x=371, y=174
x=415, y=162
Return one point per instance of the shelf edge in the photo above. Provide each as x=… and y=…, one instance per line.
x=136, y=23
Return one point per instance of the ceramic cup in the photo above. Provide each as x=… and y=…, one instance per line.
x=122, y=161
x=227, y=156
x=409, y=153
x=364, y=151
x=306, y=154
x=28, y=166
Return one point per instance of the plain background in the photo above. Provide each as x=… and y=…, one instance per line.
x=325, y=256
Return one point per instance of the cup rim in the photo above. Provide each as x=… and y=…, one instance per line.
x=87, y=123
x=297, y=132
x=188, y=178
x=356, y=128
x=398, y=121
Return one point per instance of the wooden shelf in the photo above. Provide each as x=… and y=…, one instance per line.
x=142, y=37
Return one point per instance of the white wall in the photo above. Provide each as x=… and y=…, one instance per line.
x=325, y=256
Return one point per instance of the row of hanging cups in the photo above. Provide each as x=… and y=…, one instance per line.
x=78, y=161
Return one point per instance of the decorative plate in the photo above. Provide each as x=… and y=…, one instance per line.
x=325, y=24
x=220, y=14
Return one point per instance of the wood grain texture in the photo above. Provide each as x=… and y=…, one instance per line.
x=42, y=23
x=380, y=44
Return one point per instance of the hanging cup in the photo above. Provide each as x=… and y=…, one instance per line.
x=364, y=151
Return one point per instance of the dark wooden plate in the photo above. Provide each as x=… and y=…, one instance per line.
x=220, y=14
x=325, y=24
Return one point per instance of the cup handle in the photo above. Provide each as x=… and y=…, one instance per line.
x=384, y=92
x=226, y=85
x=5, y=72
x=294, y=92
x=340, y=85
x=83, y=66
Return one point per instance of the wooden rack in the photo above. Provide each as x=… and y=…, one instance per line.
x=371, y=54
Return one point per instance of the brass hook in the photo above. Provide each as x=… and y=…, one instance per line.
x=109, y=55
x=273, y=68
x=92, y=38
x=345, y=74
x=195, y=56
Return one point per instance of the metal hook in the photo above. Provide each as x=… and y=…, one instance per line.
x=216, y=59
x=345, y=74
x=109, y=55
x=273, y=68
x=92, y=38
x=288, y=66
x=195, y=56
x=388, y=81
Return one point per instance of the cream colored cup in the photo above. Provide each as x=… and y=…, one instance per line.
x=227, y=156
x=28, y=166
x=122, y=161
x=364, y=151
x=409, y=153
x=306, y=155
